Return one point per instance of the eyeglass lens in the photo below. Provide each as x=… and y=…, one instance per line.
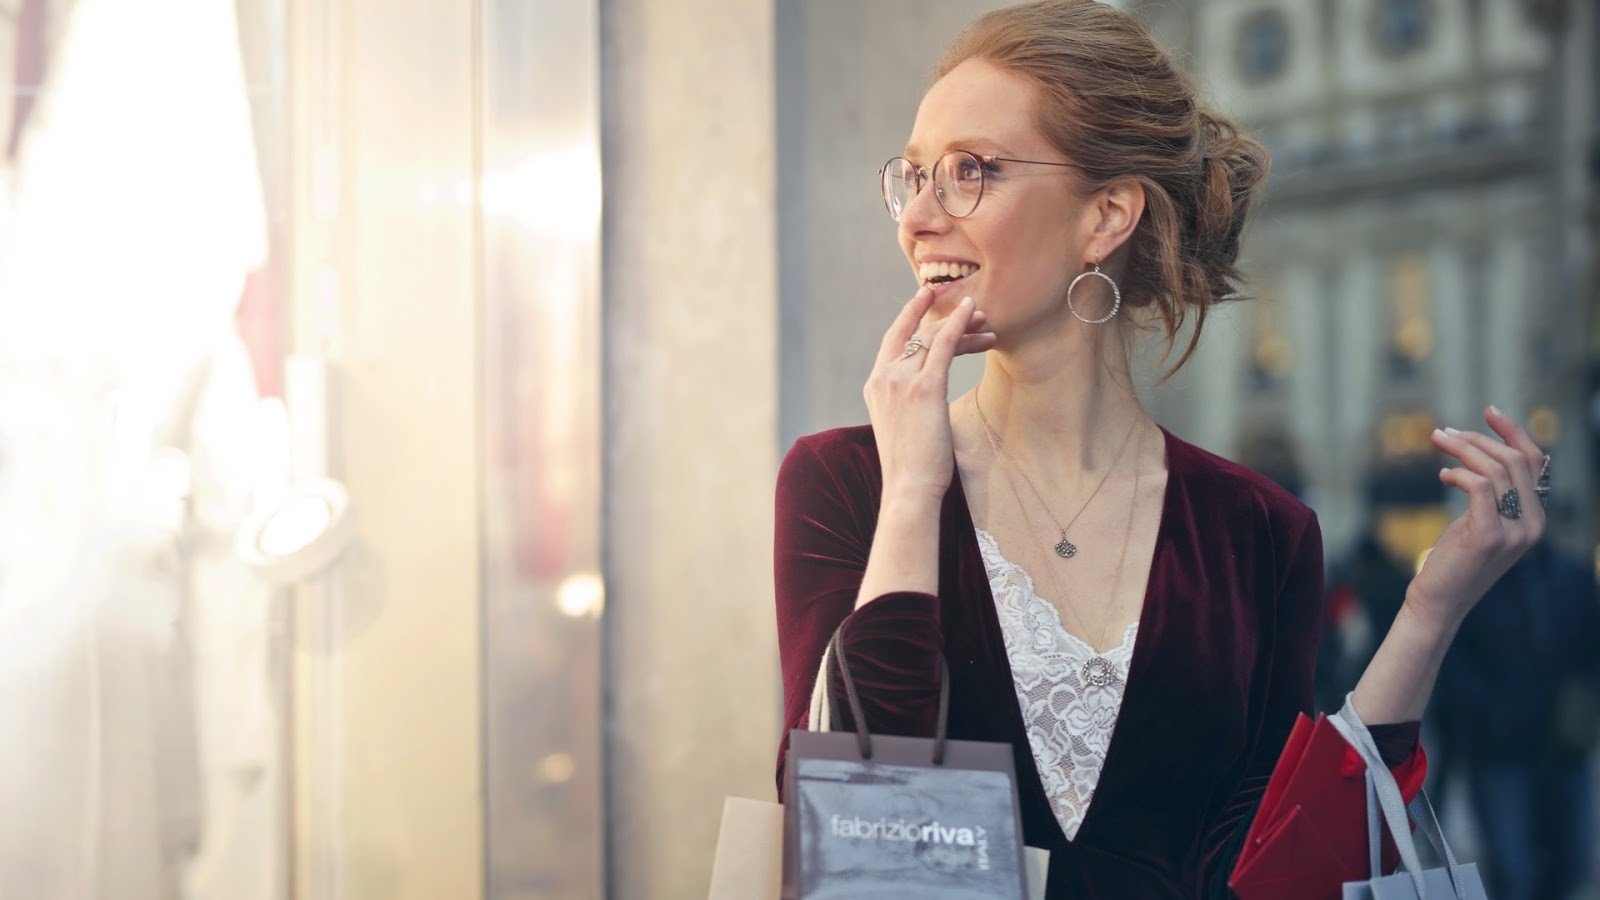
x=957, y=183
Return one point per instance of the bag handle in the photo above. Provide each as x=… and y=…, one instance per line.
x=1420, y=809
x=1374, y=828
x=1382, y=787
x=821, y=709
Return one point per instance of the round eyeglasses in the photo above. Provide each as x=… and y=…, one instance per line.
x=958, y=180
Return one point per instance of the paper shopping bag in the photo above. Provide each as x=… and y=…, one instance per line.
x=1453, y=880
x=749, y=861
x=885, y=816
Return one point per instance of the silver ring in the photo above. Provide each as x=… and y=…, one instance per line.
x=912, y=346
x=1509, y=505
x=1543, y=488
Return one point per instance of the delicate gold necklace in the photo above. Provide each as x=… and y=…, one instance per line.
x=1097, y=670
x=1065, y=549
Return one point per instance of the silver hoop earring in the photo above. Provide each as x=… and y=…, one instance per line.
x=1116, y=294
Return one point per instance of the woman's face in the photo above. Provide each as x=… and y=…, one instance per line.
x=1027, y=236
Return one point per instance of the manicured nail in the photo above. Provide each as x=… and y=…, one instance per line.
x=966, y=302
x=1451, y=431
x=1444, y=472
x=1438, y=432
x=1496, y=410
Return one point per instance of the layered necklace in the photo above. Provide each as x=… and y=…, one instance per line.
x=1097, y=670
x=1065, y=548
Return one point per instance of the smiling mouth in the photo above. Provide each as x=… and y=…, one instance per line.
x=934, y=274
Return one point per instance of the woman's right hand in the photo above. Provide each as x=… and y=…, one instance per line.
x=908, y=397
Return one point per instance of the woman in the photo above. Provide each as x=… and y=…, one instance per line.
x=1136, y=616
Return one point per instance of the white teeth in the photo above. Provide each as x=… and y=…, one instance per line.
x=930, y=270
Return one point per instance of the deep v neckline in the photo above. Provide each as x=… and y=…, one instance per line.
x=1137, y=661
x=1055, y=614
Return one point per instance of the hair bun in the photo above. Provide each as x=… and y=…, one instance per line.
x=1233, y=167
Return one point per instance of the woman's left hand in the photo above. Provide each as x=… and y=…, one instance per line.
x=1478, y=548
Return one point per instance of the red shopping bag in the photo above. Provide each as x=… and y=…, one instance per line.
x=1309, y=835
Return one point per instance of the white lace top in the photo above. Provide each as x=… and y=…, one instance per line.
x=1069, y=721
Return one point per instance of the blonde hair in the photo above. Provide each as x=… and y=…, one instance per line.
x=1114, y=104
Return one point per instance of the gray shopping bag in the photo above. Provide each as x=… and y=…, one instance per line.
x=1454, y=881
x=870, y=815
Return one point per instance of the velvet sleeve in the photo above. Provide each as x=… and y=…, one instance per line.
x=825, y=519
x=1289, y=672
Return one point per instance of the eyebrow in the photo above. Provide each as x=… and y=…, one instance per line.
x=975, y=144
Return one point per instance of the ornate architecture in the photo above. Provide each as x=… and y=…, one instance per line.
x=1423, y=250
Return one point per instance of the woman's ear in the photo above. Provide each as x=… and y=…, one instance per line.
x=1118, y=207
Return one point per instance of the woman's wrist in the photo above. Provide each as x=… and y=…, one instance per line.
x=1398, y=681
x=905, y=547
x=1428, y=619
x=912, y=499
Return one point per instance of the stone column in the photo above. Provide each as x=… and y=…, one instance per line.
x=1356, y=365
x=690, y=273
x=1457, y=332
x=1306, y=315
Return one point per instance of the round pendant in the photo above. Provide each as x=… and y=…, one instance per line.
x=1066, y=549
x=1099, y=672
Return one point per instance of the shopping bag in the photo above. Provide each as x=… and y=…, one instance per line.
x=1303, y=842
x=749, y=860
x=886, y=816
x=1300, y=843
x=1454, y=880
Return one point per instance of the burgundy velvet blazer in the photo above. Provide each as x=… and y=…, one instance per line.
x=1221, y=665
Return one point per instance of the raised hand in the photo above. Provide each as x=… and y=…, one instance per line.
x=908, y=395
x=1477, y=548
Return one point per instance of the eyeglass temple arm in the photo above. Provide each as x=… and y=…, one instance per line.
x=1036, y=162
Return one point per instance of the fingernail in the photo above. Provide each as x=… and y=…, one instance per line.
x=965, y=302
x=1439, y=432
x=1496, y=410
x=1444, y=471
x=1451, y=431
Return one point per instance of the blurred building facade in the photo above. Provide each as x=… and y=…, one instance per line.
x=1422, y=252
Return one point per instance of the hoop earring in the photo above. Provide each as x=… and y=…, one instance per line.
x=1116, y=293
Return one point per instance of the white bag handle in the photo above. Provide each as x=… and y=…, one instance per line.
x=1381, y=785
x=821, y=717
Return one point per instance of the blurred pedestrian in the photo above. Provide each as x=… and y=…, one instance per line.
x=1522, y=686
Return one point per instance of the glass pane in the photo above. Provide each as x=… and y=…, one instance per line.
x=543, y=593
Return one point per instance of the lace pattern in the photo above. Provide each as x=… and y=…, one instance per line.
x=1069, y=722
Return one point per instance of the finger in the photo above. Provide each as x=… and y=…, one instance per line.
x=1507, y=428
x=950, y=331
x=1470, y=456
x=1480, y=493
x=894, y=340
x=975, y=342
x=1515, y=463
x=975, y=325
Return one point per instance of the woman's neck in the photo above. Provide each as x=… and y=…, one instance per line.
x=1060, y=412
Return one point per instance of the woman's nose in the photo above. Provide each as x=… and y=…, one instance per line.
x=922, y=214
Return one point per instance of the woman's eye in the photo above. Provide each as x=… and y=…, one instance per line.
x=969, y=171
